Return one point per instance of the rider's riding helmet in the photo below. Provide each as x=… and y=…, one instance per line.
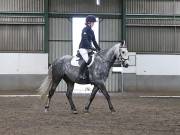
x=90, y=18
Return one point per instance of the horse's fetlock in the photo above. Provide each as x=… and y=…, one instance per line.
x=67, y=95
x=46, y=107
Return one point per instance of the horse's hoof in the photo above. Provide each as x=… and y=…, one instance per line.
x=113, y=111
x=46, y=110
x=75, y=112
x=86, y=111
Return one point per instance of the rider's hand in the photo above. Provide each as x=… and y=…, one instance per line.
x=98, y=48
x=94, y=49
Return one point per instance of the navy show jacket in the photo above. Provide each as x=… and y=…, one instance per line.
x=87, y=37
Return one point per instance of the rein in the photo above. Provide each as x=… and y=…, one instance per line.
x=121, y=59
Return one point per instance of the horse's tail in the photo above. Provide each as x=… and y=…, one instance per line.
x=46, y=85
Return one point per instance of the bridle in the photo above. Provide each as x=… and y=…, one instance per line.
x=121, y=58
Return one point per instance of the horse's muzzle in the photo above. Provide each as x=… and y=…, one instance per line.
x=125, y=64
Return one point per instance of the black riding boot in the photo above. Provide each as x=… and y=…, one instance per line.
x=81, y=70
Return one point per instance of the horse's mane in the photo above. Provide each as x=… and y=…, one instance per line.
x=103, y=52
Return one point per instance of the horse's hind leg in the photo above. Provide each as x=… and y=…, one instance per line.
x=105, y=93
x=51, y=93
x=70, y=87
x=94, y=91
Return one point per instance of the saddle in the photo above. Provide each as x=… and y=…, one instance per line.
x=89, y=54
x=77, y=60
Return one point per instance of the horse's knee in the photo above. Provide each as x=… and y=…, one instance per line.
x=50, y=95
x=108, y=97
x=106, y=94
x=68, y=95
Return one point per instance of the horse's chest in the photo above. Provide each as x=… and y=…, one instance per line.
x=102, y=71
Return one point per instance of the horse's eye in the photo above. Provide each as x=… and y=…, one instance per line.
x=123, y=52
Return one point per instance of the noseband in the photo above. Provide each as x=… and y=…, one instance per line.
x=121, y=57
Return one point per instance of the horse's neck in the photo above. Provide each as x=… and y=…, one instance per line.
x=109, y=57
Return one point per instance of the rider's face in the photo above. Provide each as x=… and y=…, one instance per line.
x=92, y=24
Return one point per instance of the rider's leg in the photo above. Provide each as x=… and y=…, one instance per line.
x=82, y=68
x=84, y=54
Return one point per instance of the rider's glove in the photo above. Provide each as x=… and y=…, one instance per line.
x=94, y=49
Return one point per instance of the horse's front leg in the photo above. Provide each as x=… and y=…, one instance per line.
x=47, y=105
x=94, y=91
x=105, y=93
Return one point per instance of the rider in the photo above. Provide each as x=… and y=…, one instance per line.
x=87, y=37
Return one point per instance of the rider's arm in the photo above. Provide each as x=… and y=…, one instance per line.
x=94, y=42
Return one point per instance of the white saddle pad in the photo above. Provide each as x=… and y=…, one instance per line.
x=75, y=61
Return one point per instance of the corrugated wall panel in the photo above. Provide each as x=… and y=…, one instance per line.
x=4, y=19
x=59, y=49
x=26, y=38
x=153, y=35
x=152, y=22
x=177, y=7
x=60, y=42
x=110, y=30
x=152, y=39
x=22, y=5
x=79, y=6
x=177, y=39
x=21, y=33
x=150, y=6
x=60, y=29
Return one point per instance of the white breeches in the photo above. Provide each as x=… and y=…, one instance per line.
x=84, y=54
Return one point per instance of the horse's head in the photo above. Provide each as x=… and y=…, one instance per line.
x=122, y=53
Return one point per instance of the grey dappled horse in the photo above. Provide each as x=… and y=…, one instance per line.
x=98, y=73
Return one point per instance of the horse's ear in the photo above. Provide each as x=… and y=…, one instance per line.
x=123, y=43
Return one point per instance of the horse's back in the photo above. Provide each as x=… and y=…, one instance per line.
x=63, y=59
x=59, y=65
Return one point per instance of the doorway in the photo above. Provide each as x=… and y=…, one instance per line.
x=78, y=23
